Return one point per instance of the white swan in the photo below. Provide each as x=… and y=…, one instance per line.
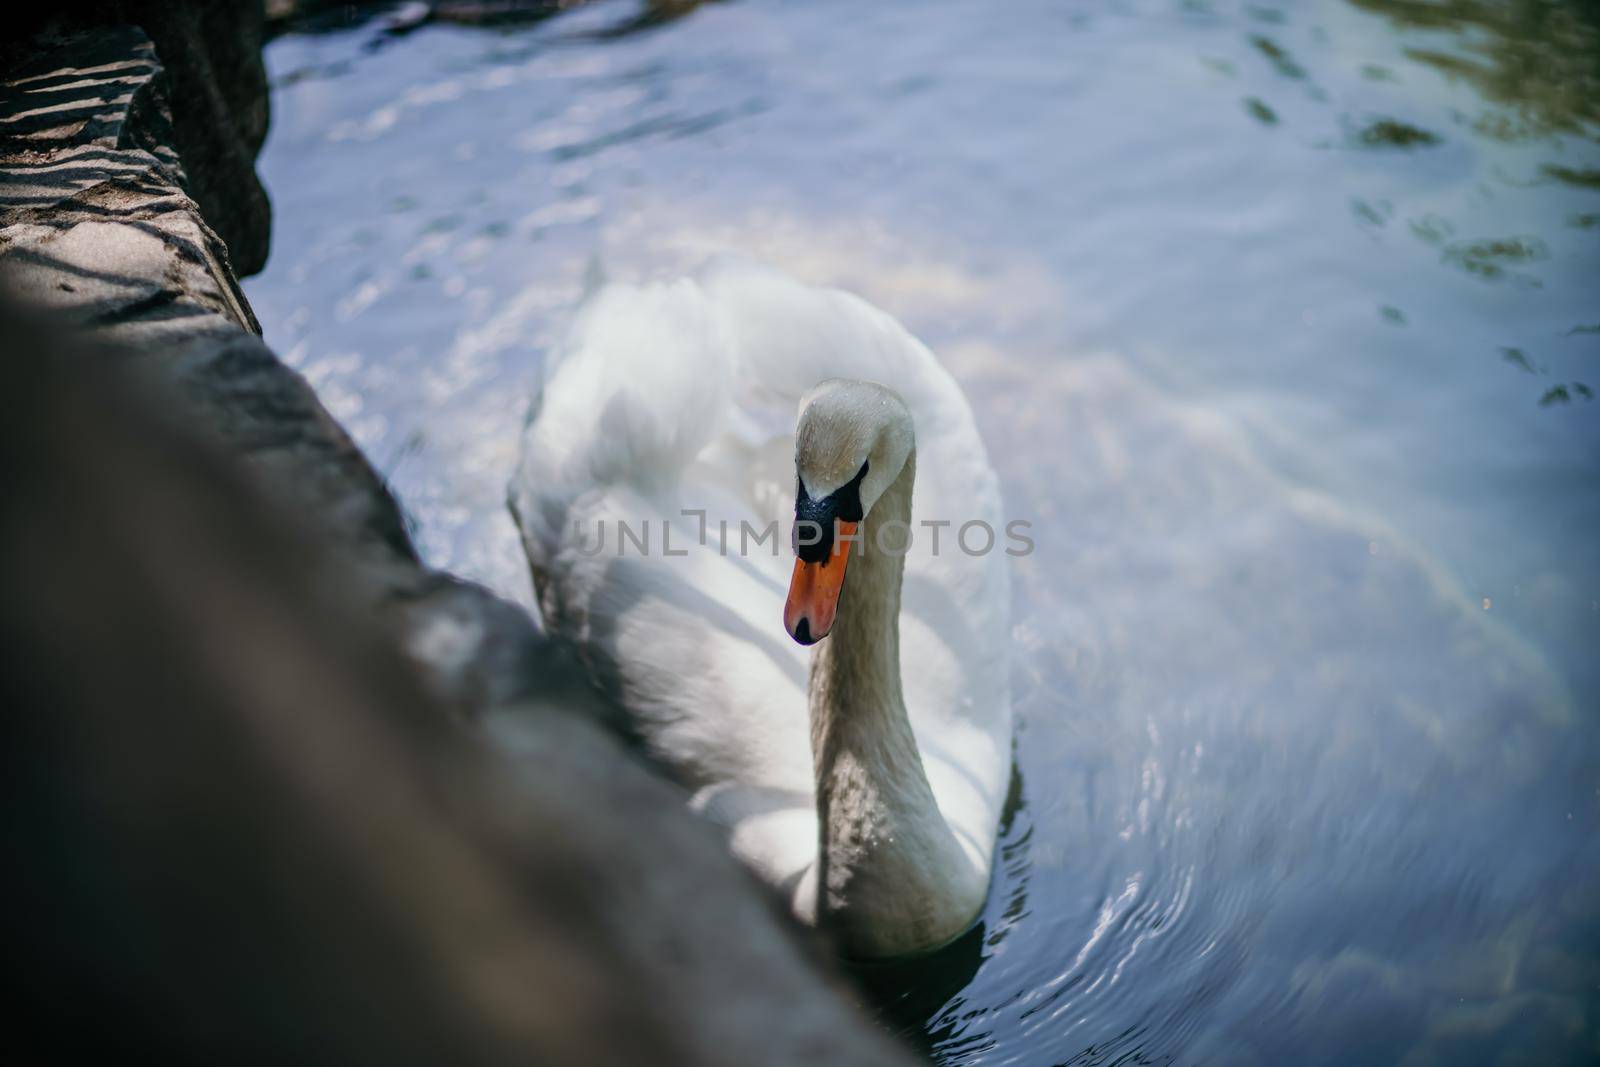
x=872, y=794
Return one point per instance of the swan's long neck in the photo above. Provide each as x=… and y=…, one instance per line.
x=891, y=878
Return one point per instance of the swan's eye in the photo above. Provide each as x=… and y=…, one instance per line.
x=848, y=498
x=817, y=516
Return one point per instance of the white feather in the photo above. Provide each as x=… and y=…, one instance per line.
x=682, y=396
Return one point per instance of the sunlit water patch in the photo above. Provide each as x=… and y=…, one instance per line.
x=1281, y=324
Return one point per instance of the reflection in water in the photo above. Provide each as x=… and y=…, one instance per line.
x=920, y=998
x=1280, y=327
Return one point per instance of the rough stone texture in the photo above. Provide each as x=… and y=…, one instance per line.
x=246, y=768
x=210, y=53
x=96, y=230
x=211, y=50
x=93, y=219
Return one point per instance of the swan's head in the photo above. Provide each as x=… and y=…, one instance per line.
x=852, y=442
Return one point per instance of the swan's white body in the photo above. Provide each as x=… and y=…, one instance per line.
x=680, y=398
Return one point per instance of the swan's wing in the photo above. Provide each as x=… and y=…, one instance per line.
x=790, y=336
x=701, y=379
x=639, y=386
x=636, y=424
x=637, y=389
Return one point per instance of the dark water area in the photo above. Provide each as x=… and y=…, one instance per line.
x=1282, y=324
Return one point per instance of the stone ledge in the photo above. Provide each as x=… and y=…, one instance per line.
x=211, y=73
x=94, y=220
x=97, y=231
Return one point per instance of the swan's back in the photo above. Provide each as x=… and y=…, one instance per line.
x=681, y=397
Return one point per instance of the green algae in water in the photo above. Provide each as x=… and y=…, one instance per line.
x=1280, y=58
x=1564, y=394
x=1432, y=229
x=1587, y=177
x=1506, y=127
x=1370, y=214
x=1260, y=111
x=1518, y=358
x=1392, y=133
x=1536, y=58
x=1490, y=259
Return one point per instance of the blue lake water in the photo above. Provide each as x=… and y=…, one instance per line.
x=1282, y=323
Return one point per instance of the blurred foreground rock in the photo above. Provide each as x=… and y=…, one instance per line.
x=243, y=830
x=247, y=786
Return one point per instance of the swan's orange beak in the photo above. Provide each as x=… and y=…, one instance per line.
x=814, y=590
